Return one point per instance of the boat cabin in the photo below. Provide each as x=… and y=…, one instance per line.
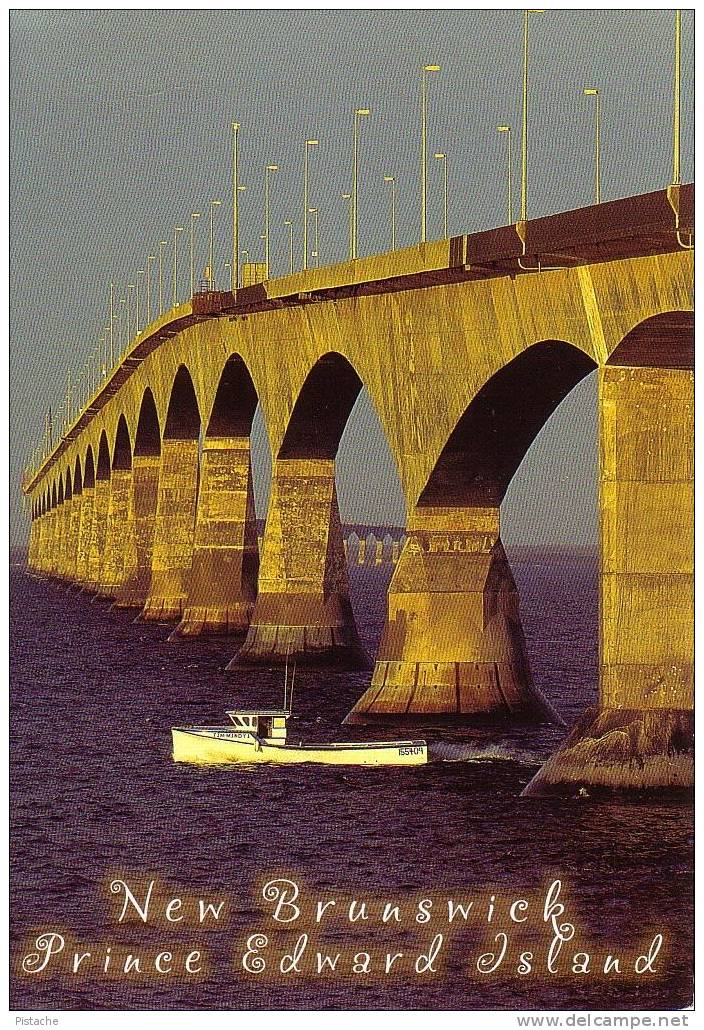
x=268, y=726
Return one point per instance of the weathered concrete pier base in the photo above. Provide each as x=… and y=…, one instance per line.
x=98, y=530
x=222, y=583
x=134, y=589
x=303, y=609
x=453, y=643
x=173, y=531
x=120, y=528
x=641, y=735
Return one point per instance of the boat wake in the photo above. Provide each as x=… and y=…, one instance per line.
x=446, y=751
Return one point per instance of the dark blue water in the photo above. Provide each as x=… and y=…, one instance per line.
x=94, y=794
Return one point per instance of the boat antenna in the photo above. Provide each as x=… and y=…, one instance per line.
x=288, y=651
x=290, y=696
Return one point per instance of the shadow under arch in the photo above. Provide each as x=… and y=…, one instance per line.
x=221, y=583
x=102, y=471
x=663, y=341
x=496, y=430
x=122, y=451
x=89, y=470
x=147, y=439
x=183, y=415
x=322, y=409
x=77, y=476
x=453, y=645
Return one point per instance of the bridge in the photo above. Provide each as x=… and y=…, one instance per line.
x=466, y=346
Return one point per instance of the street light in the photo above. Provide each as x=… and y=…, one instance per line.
x=443, y=158
x=267, y=170
x=228, y=264
x=124, y=330
x=348, y=198
x=162, y=244
x=360, y=112
x=130, y=286
x=177, y=230
x=213, y=205
x=676, y=101
x=507, y=129
x=235, y=263
x=597, y=132
x=392, y=180
x=139, y=317
x=314, y=211
x=112, y=344
x=424, y=146
x=524, y=118
x=289, y=225
x=309, y=143
x=150, y=258
x=195, y=215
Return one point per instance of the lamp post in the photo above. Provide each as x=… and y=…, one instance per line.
x=360, y=112
x=676, y=101
x=314, y=211
x=139, y=309
x=509, y=199
x=597, y=148
x=177, y=230
x=130, y=286
x=428, y=68
x=524, y=118
x=245, y=257
x=228, y=264
x=112, y=343
x=443, y=159
x=348, y=198
x=289, y=224
x=124, y=334
x=213, y=205
x=162, y=244
x=235, y=263
x=195, y=215
x=150, y=259
x=309, y=143
x=392, y=180
x=267, y=170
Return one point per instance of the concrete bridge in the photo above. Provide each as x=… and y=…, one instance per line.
x=466, y=347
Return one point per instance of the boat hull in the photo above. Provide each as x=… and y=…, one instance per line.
x=206, y=747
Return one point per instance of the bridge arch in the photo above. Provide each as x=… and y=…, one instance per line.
x=235, y=401
x=60, y=492
x=122, y=452
x=662, y=341
x=102, y=470
x=183, y=415
x=89, y=469
x=495, y=431
x=77, y=476
x=322, y=409
x=68, y=488
x=147, y=440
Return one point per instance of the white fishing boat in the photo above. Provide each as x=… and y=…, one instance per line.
x=259, y=735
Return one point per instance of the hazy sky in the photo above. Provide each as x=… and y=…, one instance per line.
x=120, y=127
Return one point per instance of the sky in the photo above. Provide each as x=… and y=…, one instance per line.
x=120, y=127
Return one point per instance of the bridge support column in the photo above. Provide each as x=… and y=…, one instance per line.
x=33, y=546
x=118, y=534
x=222, y=584
x=60, y=539
x=98, y=528
x=76, y=510
x=640, y=735
x=303, y=606
x=85, y=530
x=453, y=643
x=174, y=529
x=134, y=590
x=48, y=542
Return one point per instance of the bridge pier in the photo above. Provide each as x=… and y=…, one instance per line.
x=118, y=534
x=641, y=734
x=303, y=607
x=453, y=643
x=172, y=552
x=73, y=535
x=98, y=530
x=222, y=583
x=134, y=589
x=85, y=530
